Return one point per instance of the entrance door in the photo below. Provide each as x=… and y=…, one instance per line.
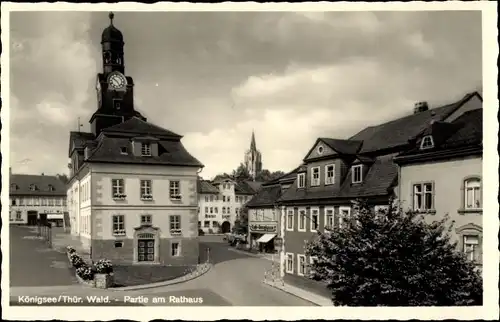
x=226, y=227
x=146, y=250
x=32, y=218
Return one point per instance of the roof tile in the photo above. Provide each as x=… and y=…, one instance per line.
x=20, y=185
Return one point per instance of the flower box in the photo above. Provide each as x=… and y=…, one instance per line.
x=147, y=197
x=90, y=283
x=175, y=232
x=119, y=196
x=103, y=280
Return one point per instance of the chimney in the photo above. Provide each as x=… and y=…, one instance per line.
x=420, y=107
x=43, y=174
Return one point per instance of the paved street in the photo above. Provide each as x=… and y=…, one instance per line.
x=32, y=263
x=235, y=279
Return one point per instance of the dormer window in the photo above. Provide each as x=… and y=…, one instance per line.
x=146, y=149
x=51, y=187
x=357, y=173
x=13, y=186
x=301, y=180
x=124, y=150
x=32, y=187
x=427, y=142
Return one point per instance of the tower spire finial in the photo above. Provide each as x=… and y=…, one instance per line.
x=111, y=17
x=253, y=145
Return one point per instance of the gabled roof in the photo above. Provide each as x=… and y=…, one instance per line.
x=205, y=186
x=397, y=132
x=267, y=196
x=290, y=176
x=377, y=181
x=135, y=125
x=20, y=185
x=246, y=187
x=465, y=131
x=343, y=147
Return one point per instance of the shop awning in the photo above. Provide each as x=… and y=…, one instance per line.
x=266, y=238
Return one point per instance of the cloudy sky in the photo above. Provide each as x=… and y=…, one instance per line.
x=214, y=76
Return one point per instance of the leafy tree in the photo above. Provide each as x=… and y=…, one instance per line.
x=393, y=258
x=241, y=173
x=63, y=177
x=265, y=175
x=241, y=224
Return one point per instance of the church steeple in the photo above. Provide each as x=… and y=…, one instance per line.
x=253, y=146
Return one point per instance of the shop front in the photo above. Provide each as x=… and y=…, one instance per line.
x=262, y=236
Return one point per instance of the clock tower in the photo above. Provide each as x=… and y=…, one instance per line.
x=115, y=95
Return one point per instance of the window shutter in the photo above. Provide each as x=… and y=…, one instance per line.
x=463, y=194
x=479, y=255
x=336, y=215
x=433, y=195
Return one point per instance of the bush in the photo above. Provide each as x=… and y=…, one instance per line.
x=76, y=260
x=201, y=232
x=70, y=250
x=210, y=231
x=85, y=272
x=393, y=259
x=103, y=266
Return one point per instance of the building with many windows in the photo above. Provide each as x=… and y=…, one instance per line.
x=33, y=195
x=442, y=174
x=221, y=202
x=264, y=213
x=335, y=172
x=132, y=191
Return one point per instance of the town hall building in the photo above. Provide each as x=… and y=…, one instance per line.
x=132, y=192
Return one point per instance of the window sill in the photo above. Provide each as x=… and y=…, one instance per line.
x=147, y=199
x=175, y=198
x=464, y=211
x=119, y=234
x=426, y=212
x=119, y=198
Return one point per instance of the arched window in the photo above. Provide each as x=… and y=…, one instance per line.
x=472, y=190
x=223, y=210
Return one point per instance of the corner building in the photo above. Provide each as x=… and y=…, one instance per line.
x=132, y=194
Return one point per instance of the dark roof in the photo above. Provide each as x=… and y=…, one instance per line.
x=78, y=140
x=397, y=132
x=137, y=126
x=464, y=131
x=267, y=196
x=343, y=146
x=290, y=176
x=377, y=181
x=170, y=152
x=205, y=186
x=20, y=185
x=246, y=187
x=254, y=185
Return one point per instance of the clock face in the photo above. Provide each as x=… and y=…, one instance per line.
x=117, y=81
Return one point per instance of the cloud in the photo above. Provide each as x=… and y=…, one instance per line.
x=213, y=77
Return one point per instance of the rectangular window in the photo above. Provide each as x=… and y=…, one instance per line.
x=118, y=187
x=175, y=191
x=273, y=214
x=175, y=222
x=50, y=202
x=345, y=213
x=216, y=210
x=223, y=198
x=206, y=210
x=312, y=262
x=18, y=216
x=289, y=219
x=301, y=265
x=206, y=198
x=146, y=219
x=329, y=219
x=423, y=196
x=228, y=199
x=176, y=249
x=301, y=180
x=146, y=149
x=211, y=210
x=302, y=220
x=314, y=219
x=473, y=193
x=206, y=224
x=471, y=247
x=215, y=224
x=357, y=173
x=146, y=189
x=289, y=263
x=118, y=225
x=330, y=174
x=13, y=202
x=315, y=179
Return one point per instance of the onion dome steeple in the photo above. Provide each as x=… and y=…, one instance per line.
x=111, y=33
x=112, y=48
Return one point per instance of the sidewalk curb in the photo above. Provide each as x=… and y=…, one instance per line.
x=179, y=280
x=250, y=254
x=291, y=293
